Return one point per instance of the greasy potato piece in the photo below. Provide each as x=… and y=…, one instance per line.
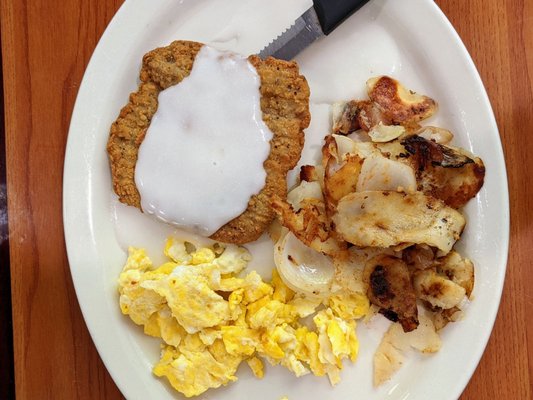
x=389, y=218
x=438, y=290
x=390, y=104
x=389, y=287
x=455, y=186
x=381, y=173
x=308, y=173
x=341, y=170
x=444, y=172
x=371, y=114
x=442, y=317
x=435, y=134
x=460, y=270
x=285, y=107
x=309, y=224
x=342, y=181
x=350, y=264
x=390, y=353
x=426, y=152
x=358, y=114
x=345, y=117
x=419, y=257
x=385, y=133
x=402, y=106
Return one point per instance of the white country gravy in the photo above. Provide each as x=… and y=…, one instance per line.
x=202, y=157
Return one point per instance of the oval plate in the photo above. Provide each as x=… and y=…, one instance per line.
x=410, y=40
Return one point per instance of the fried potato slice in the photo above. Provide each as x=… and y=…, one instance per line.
x=342, y=181
x=419, y=257
x=441, y=318
x=390, y=104
x=309, y=224
x=402, y=106
x=460, y=270
x=345, y=117
x=438, y=290
x=350, y=264
x=346, y=145
x=385, y=133
x=371, y=114
x=435, y=134
x=308, y=173
x=447, y=173
x=358, y=114
x=389, y=287
x=341, y=169
x=455, y=186
x=380, y=173
x=444, y=172
x=390, y=354
x=387, y=218
x=426, y=152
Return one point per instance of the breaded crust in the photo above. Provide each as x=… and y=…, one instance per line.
x=161, y=68
x=285, y=107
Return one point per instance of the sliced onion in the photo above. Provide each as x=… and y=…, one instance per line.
x=347, y=145
x=359, y=136
x=305, y=190
x=344, y=145
x=385, y=133
x=303, y=269
x=337, y=109
x=380, y=173
x=438, y=135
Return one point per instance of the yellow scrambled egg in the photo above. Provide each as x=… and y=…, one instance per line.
x=210, y=318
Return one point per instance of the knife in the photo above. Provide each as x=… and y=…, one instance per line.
x=318, y=21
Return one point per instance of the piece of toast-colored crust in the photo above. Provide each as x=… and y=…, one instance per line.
x=285, y=107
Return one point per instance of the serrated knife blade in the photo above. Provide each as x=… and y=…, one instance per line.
x=316, y=22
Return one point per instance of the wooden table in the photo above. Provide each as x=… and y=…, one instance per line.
x=45, y=48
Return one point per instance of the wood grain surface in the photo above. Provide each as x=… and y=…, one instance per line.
x=46, y=46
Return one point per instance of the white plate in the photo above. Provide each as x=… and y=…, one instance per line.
x=411, y=40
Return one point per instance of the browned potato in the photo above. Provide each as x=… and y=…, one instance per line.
x=345, y=117
x=438, y=290
x=353, y=115
x=444, y=172
x=402, y=106
x=441, y=318
x=341, y=173
x=460, y=270
x=435, y=134
x=338, y=183
x=390, y=354
x=390, y=288
x=389, y=218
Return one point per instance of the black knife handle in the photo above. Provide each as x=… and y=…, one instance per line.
x=332, y=12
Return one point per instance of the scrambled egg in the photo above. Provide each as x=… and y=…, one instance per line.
x=210, y=319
